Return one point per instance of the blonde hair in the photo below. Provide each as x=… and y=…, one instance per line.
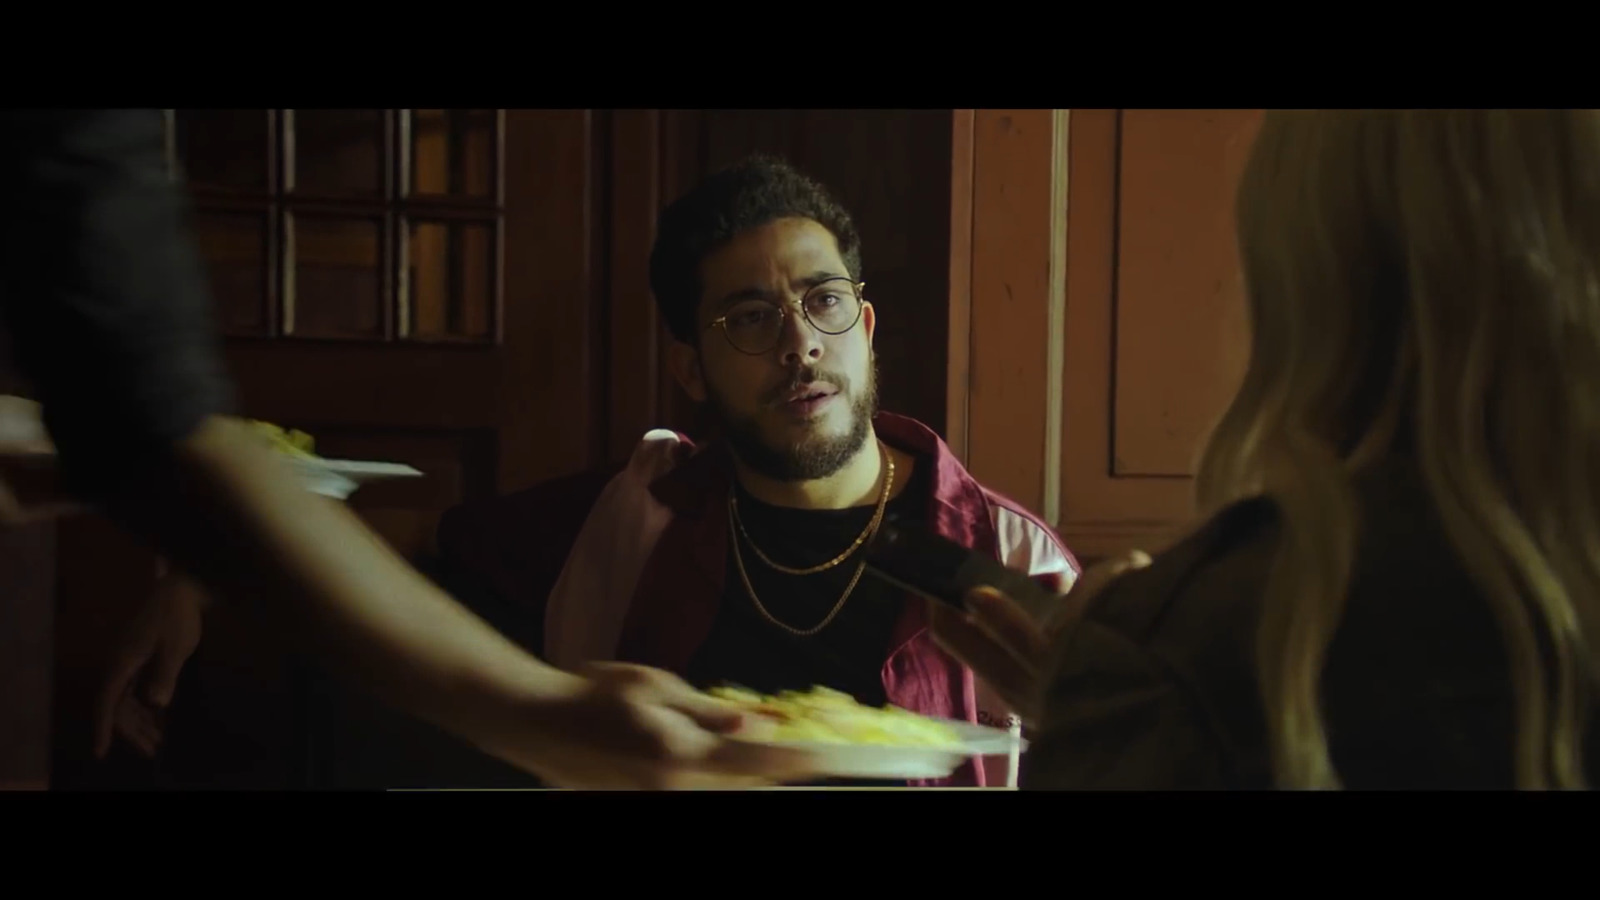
x=1425, y=282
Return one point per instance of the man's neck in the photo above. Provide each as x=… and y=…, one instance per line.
x=855, y=484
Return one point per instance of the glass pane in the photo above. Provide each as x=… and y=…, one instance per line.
x=235, y=249
x=337, y=270
x=453, y=152
x=223, y=147
x=451, y=277
x=338, y=151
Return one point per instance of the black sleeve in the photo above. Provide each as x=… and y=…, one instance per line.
x=103, y=290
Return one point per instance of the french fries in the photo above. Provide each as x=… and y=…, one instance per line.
x=827, y=716
x=288, y=441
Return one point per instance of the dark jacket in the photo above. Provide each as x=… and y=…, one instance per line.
x=1156, y=687
x=635, y=572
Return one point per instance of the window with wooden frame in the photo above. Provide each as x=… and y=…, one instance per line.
x=366, y=225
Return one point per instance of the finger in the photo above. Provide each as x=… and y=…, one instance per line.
x=711, y=714
x=672, y=692
x=150, y=738
x=135, y=728
x=1096, y=577
x=152, y=725
x=942, y=617
x=690, y=756
x=140, y=731
x=109, y=699
x=1015, y=636
x=1009, y=622
x=161, y=682
x=749, y=762
x=1013, y=681
x=701, y=752
x=991, y=660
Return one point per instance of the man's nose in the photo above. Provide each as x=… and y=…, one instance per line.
x=799, y=342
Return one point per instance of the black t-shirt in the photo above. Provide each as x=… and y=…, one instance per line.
x=743, y=648
x=102, y=290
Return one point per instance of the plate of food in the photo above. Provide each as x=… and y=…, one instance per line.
x=852, y=740
x=336, y=478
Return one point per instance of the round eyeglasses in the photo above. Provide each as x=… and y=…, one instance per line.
x=756, y=326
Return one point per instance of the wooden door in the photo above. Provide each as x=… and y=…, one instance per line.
x=407, y=285
x=1107, y=328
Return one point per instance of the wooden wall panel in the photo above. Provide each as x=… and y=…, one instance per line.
x=1181, y=333
x=636, y=372
x=1009, y=387
x=958, y=339
x=1104, y=294
x=1169, y=397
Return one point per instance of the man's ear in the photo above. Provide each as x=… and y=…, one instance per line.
x=684, y=361
x=869, y=320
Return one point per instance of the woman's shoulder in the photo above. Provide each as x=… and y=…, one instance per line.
x=1159, y=660
x=1216, y=575
x=1218, y=566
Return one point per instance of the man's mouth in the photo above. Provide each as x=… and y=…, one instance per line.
x=807, y=400
x=809, y=393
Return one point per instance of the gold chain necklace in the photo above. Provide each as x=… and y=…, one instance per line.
x=744, y=575
x=872, y=525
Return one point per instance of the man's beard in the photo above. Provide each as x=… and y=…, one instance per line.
x=812, y=457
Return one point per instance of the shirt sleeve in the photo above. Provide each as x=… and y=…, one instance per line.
x=1114, y=719
x=103, y=291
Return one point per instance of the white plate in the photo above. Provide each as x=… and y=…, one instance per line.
x=910, y=763
x=339, y=478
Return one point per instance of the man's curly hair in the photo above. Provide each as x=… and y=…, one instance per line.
x=746, y=195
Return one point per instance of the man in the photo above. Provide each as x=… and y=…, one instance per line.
x=740, y=562
x=103, y=293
